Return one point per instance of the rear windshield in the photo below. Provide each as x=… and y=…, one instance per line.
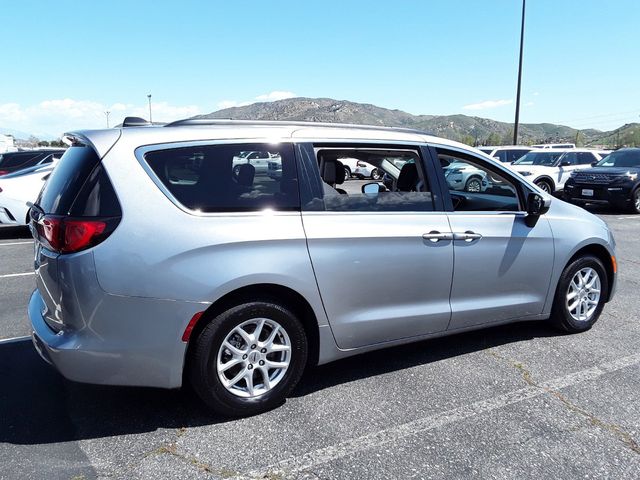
x=228, y=178
x=67, y=180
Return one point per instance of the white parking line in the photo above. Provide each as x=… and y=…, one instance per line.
x=16, y=243
x=14, y=340
x=321, y=456
x=627, y=218
x=9, y=275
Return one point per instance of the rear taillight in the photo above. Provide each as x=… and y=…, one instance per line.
x=4, y=172
x=361, y=164
x=69, y=235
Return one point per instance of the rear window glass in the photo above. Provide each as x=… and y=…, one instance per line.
x=67, y=180
x=229, y=178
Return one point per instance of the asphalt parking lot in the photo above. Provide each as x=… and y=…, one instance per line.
x=519, y=401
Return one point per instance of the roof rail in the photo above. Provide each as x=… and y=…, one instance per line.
x=135, y=122
x=279, y=123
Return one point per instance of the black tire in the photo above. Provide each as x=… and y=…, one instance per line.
x=560, y=315
x=545, y=186
x=634, y=207
x=236, y=170
x=203, y=373
x=375, y=174
x=470, y=185
x=347, y=173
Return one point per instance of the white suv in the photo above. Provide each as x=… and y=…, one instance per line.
x=549, y=168
x=505, y=153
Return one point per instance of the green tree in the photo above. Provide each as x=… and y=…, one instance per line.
x=493, y=139
x=507, y=138
x=579, y=141
x=468, y=139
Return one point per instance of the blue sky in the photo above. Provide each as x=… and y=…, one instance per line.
x=66, y=62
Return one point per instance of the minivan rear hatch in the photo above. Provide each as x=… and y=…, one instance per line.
x=76, y=210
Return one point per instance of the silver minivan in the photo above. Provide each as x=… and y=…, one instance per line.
x=159, y=258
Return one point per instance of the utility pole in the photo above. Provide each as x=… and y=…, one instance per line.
x=150, y=119
x=107, y=115
x=515, y=126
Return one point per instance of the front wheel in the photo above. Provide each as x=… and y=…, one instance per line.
x=580, y=296
x=376, y=174
x=635, y=201
x=474, y=185
x=545, y=186
x=248, y=359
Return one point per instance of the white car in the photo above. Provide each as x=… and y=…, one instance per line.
x=354, y=167
x=505, y=153
x=259, y=160
x=19, y=190
x=550, y=168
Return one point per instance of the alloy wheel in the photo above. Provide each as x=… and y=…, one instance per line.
x=254, y=357
x=583, y=295
x=473, y=185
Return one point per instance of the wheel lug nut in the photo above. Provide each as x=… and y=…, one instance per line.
x=253, y=347
x=250, y=366
x=261, y=362
x=244, y=357
x=264, y=350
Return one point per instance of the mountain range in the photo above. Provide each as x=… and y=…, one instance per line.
x=468, y=129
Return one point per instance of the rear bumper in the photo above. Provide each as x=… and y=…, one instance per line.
x=128, y=341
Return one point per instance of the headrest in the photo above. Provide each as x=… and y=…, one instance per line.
x=246, y=173
x=408, y=178
x=332, y=172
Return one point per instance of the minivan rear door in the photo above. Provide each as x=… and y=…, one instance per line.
x=383, y=262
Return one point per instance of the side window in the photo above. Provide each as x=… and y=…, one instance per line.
x=502, y=155
x=223, y=178
x=390, y=180
x=570, y=158
x=474, y=187
x=586, y=158
x=513, y=155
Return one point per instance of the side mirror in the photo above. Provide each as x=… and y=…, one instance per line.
x=536, y=206
x=593, y=164
x=371, y=189
x=565, y=164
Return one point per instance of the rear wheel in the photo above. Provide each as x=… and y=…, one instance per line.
x=248, y=359
x=347, y=173
x=580, y=296
x=376, y=174
x=545, y=186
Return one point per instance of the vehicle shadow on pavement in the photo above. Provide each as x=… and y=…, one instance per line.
x=420, y=353
x=39, y=406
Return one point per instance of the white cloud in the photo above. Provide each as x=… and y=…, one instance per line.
x=487, y=104
x=535, y=94
x=529, y=104
x=267, y=97
x=275, y=95
x=54, y=117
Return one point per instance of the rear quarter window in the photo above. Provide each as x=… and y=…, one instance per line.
x=228, y=177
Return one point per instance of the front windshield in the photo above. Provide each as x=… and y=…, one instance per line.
x=546, y=159
x=621, y=158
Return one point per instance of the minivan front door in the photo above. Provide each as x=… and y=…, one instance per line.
x=502, y=266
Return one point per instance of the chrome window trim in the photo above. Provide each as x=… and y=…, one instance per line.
x=141, y=151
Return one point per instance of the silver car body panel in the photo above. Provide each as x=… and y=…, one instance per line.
x=120, y=308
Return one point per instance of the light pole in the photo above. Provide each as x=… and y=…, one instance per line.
x=515, y=125
x=150, y=119
x=107, y=115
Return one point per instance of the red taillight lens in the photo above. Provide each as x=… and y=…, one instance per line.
x=4, y=172
x=68, y=235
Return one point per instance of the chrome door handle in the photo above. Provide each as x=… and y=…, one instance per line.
x=467, y=236
x=435, y=236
